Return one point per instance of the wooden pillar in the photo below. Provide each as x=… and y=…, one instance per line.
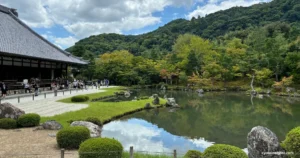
x=1, y=66
x=39, y=69
x=52, y=74
x=175, y=154
x=62, y=153
x=131, y=152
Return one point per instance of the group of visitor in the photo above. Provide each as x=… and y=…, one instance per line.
x=32, y=85
x=59, y=83
x=100, y=83
x=79, y=84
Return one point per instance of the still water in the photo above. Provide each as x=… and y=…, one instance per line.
x=203, y=120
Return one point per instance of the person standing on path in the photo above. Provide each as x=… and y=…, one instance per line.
x=3, y=90
x=26, y=85
x=99, y=83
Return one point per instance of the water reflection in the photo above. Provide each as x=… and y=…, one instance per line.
x=214, y=117
x=144, y=136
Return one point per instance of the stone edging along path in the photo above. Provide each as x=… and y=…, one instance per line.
x=50, y=106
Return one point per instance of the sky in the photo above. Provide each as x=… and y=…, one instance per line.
x=64, y=22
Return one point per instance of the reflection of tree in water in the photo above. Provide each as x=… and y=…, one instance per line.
x=220, y=117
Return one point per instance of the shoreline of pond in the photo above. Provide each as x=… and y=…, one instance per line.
x=206, y=90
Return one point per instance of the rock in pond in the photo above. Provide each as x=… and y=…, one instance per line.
x=172, y=103
x=200, y=91
x=52, y=125
x=148, y=106
x=127, y=94
x=8, y=110
x=94, y=129
x=156, y=99
x=261, y=142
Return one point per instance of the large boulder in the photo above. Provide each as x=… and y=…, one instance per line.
x=262, y=142
x=127, y=94
x=148, y=106
x=94, y=129
x=200, y=91
x=7, y=110
x=52, y=125
x=156, y=99
x=172, y=103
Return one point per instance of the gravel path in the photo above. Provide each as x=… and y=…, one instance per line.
x=27, y=143
x=50, y=106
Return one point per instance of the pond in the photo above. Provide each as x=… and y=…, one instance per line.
x=214, y=117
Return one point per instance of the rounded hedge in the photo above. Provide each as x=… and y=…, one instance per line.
x=29, y=120
x=292, y=141
x=94, y=120
x=8, y=123
x=223, y=150
x=100, y=147
x=193, y=154
x=72, y=137
x=80, y=98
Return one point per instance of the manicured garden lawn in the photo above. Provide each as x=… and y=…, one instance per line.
x=101, y=110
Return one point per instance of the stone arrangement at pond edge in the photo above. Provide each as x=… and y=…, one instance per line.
x=52, y=125
x=172, y=103
x=94, y=129
x=8, y=110
x=156, y=99
x=261, y=142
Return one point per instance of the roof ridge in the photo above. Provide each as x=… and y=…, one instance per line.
x=36, y=34
x=4, y=9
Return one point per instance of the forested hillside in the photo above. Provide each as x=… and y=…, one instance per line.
x=261, y=42
x=159, y=42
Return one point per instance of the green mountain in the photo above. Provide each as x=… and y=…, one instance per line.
x=159, y=42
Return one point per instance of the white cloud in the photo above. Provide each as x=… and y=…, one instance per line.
x=201, y=142
x=61, y=42
x=32, y=12
x=217, y=5
x=89, y=17
x=131, y=134
x=65, y=42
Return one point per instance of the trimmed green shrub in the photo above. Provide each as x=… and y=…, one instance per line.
x=29, y=120
x=100, y=147
x=223, y=150
x=80, y=98
x=292, y=141
x=8, y=123
x=94, y=120
x=72, y=137
x=193, y=154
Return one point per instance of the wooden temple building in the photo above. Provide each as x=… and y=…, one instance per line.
x=24, y=54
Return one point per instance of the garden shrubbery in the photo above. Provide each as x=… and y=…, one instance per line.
x=100, y=147
x=143, y=98
x=72, y=137
x=29, y=120
x=223, y=150
x=193, y=154
x=8, y=123
x=94, y=120
x=292, y=141
x=80, y=98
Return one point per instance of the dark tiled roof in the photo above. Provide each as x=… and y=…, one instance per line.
x=17, y=39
